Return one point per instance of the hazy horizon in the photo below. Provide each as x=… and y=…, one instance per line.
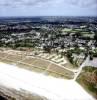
x=41, y=16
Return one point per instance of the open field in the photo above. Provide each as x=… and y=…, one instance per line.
x=35, y=64
x=88, y=79
x=2, y=55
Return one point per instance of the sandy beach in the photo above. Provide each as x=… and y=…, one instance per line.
x=47, y=86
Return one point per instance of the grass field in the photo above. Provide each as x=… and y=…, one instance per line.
x=88, y=79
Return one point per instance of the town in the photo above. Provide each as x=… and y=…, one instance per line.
x=76, y=41
x=56, y=48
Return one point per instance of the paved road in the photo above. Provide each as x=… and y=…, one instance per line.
x=80, y=68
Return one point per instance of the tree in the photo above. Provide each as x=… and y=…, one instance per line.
x=47, y=49
x=69, y=56
x=95, y=37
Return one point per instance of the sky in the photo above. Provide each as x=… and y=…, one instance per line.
x=48, y=8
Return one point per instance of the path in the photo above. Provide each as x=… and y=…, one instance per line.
x=80, y=68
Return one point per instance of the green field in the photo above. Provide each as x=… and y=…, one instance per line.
x=88, y=79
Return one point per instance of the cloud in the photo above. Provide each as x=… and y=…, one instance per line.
x=17, y=3
x=80, y=3
x=34, y=2
x=48, y=7
x=83, y=3
x=88, y=3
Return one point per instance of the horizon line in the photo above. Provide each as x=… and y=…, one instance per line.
x=48, y=16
